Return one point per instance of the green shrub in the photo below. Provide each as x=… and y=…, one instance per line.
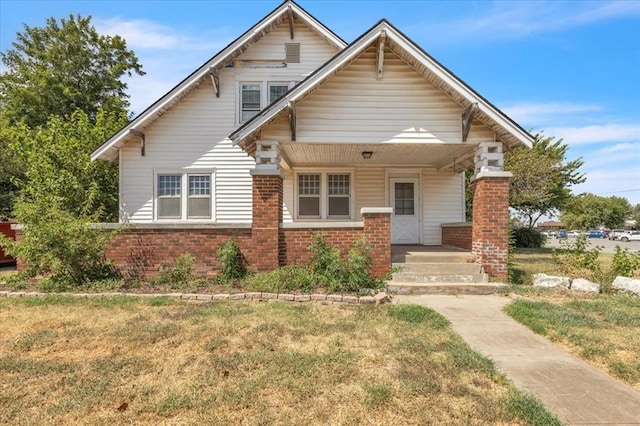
x=232, y=265
x=56, y=244
x=625, y=263
x=284, y=279
x=326, y=264
x=528, y=238
x=575, y=260
x=180, y=275
x=358, y=268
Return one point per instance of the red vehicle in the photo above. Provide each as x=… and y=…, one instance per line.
x=5, y=228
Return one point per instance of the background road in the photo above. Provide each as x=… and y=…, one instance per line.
x=608, y=245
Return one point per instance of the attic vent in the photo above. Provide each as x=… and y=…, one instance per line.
x=292, y=51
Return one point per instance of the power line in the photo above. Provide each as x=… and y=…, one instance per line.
x=625, y=190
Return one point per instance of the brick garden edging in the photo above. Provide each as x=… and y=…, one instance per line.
x=328, y=299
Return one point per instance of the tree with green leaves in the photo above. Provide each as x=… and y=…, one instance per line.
x=63, y=67
x=542, y=178
x=587, y=211
x=62, y=195
x=54, y=71
x=635, y=215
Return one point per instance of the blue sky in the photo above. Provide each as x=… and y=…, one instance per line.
x=569, y=68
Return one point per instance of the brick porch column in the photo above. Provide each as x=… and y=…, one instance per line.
x=377, y=231
x=267, y=217
x=490, y=234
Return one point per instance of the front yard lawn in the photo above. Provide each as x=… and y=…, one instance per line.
x=602, y=329
x=126, y=360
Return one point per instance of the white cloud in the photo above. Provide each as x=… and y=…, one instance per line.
x=139, y=33
x=607, y=133
x=621, y=182
x=167, y=54
x=513, y=20
x=622, y=148
x=539, y=114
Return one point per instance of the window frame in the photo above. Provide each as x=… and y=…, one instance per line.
x=184, y=194
x=264, y=84
x=324, y=194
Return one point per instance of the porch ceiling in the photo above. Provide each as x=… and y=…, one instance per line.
x=455, y=157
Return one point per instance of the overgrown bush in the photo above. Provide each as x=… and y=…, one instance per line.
x=232, y=265
x=55, y=244
x=326, y=270
x=281, y=280
x=528, y=238
x=180, y=275
x=575, y=260
x=326, y=264
x=625, y=263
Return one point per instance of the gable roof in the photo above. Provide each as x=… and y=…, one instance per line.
x=109, y=150
x=506, y=129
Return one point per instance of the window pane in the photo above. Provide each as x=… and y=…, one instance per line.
x=250, y=101
x=309, y=206
x=169, y=208
x=199, y=207
x=338, y=184
x=404, y=204
x=169, y=185
x=199, y=185
x=309, y=184
x=338, y=206
x=276, y=91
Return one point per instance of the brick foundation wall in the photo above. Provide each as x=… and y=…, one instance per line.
x=490, y=243
x=294, y=242
x=141, y=253
x=457, y=235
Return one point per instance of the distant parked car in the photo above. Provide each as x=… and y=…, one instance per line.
x=595, y=234
x=562, y=233
x=630, y=236
x=574, y=234
x=615, y=233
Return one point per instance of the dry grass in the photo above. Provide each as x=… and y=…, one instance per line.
x=602, y=329
x=123, y=360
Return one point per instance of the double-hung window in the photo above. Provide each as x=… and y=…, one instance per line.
x=169, y=195
x=249, y=100
x=324, y=195
x=182, y=196
x=256, y=95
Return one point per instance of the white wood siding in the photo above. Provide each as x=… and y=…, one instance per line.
x=193, y=133
x=356, y=107
x=370, y=188
x=442, y=202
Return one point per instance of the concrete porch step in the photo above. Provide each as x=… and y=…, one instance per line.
x=439, y=278
x=427, y=257
x=398, y=287
x=440, y=268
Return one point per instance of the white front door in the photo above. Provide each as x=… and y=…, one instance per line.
x=405, y=221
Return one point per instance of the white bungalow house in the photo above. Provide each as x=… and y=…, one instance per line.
x=289, y=131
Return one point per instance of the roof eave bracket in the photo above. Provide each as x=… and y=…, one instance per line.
x=142, y=140
x=380, y=55
x=292, y=120
x=467, y=118
x=215, y=80
x=291, y=23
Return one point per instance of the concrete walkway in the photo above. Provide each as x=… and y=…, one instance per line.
x=578, y=393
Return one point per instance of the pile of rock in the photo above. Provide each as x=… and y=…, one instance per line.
x=625, y=284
